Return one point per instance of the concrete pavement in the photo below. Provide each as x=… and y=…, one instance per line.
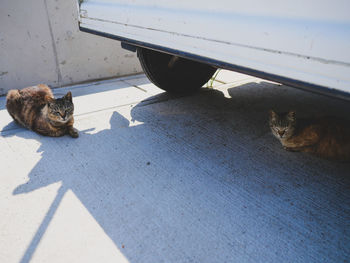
x=159, y=178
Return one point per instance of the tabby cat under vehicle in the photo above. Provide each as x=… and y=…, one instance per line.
x=327, y=137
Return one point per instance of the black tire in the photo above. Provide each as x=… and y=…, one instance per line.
x=174, y=74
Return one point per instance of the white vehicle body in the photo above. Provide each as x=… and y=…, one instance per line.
x=305, y=43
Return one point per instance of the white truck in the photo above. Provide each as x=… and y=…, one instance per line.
x=180, y=44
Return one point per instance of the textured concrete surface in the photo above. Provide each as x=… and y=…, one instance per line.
x=158, y=178
x=40, y=42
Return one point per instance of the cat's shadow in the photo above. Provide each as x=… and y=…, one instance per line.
x=127, y=177
x=5, y=132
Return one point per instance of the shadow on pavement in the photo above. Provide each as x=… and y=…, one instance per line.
x=202, y=180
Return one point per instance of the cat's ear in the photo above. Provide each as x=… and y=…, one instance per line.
x=272, y=114
x=291, y=115
x=49, y=100
x=68, y=96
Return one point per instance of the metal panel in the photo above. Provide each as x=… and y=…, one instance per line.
x=294, y=40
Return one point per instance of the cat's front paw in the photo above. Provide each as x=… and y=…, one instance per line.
x=73, y=132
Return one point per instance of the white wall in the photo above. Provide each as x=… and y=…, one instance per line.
x=40, y=42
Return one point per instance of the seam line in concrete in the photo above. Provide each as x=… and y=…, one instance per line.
x=54, y=48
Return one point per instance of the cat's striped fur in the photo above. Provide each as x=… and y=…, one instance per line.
x=327, y=137
x=36, y=109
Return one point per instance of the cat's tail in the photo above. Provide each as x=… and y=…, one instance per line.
x=13, y=95
x=13, y=102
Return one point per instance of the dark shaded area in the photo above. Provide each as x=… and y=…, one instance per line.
x=202, y=180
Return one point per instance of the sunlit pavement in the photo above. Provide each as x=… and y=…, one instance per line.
x=159, y=178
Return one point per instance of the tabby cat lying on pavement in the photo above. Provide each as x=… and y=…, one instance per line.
x=36, y=109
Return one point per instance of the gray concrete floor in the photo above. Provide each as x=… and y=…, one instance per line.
x=157, y=178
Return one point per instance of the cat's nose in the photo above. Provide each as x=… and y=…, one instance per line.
x=281, y=133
